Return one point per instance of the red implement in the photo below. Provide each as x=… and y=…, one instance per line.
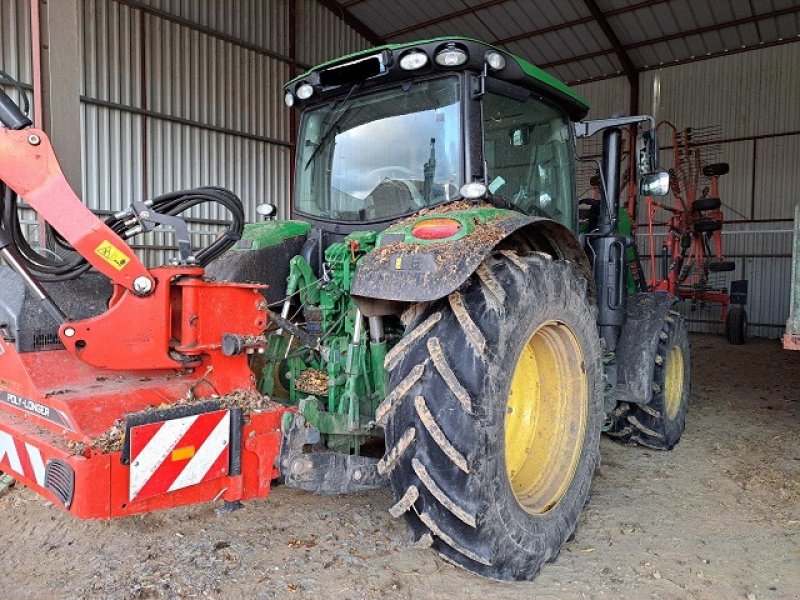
x=111, y=425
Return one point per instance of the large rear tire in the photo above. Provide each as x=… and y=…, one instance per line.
x=660, y=423
x=494, y=414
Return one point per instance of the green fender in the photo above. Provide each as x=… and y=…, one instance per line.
x=264, y=234
x=405, y=269
x=262, y=255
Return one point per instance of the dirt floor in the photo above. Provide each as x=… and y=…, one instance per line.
x=719, y=517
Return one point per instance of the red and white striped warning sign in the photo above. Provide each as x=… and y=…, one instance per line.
x=21, y=458
x=171, y=455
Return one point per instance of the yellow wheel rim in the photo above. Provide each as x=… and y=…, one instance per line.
x=673, y=382
x=545, y=420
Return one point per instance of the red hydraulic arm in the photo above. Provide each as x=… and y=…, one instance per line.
x=28, y=165
x=169, y=354
x=168, y=318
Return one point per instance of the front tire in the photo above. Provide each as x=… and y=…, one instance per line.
x=659, y=424
x=494, y=414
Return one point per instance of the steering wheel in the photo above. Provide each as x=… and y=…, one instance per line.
x=529, y=205
x=403, y=170
x=393, y=196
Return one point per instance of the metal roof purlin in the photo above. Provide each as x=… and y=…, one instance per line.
x=683, y=61
x=583, y=20
x=631, y=72
x=354, y=22
x=442, y=18
x=675, y=36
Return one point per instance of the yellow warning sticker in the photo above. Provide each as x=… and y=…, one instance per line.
x=398, y=263
x=113, y=256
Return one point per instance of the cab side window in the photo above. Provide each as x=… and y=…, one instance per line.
x=529, y=156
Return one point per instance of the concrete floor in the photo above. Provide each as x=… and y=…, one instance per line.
x=719, y=517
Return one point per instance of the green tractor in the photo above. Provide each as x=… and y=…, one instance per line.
x=439, y=323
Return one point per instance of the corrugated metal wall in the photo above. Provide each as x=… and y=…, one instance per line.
x=751, y=96
x=15, y=40
x=182, y=94
x=321, y=36
x=16, y=60
x=170, y=105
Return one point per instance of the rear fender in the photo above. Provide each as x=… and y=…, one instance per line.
x=399, y=271
x=637, y=346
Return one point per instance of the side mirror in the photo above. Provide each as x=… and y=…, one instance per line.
x=654, y=184
x=267, y=210
x=647, y=152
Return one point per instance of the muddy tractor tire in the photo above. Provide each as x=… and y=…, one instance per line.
x=493, y=416
x=660, y=423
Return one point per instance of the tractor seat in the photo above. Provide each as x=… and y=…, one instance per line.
x=394, y=197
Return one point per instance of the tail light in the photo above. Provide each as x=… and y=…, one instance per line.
x=435, y=229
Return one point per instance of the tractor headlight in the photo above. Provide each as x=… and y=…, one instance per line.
x=289, y=99
x=495, y=60
x=475, y=190
x=413, y=60
x=304, y=91
x=451, y=57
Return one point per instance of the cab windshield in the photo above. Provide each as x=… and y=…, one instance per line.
x=383, y=155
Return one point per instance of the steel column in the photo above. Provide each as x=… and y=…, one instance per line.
x=57, y=89
x=791, y=340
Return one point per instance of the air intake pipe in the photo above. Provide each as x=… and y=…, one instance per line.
x=607, y=247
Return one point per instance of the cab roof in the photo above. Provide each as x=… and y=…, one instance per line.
x=517, y=69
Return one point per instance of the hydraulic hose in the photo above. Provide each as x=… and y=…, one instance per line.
x=175, y=203
x=123, y=224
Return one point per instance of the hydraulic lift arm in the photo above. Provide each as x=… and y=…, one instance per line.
x=28, y=165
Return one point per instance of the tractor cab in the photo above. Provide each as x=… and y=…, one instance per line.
x=394, y=130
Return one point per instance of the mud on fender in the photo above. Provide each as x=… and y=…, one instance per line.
x=402, y=271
